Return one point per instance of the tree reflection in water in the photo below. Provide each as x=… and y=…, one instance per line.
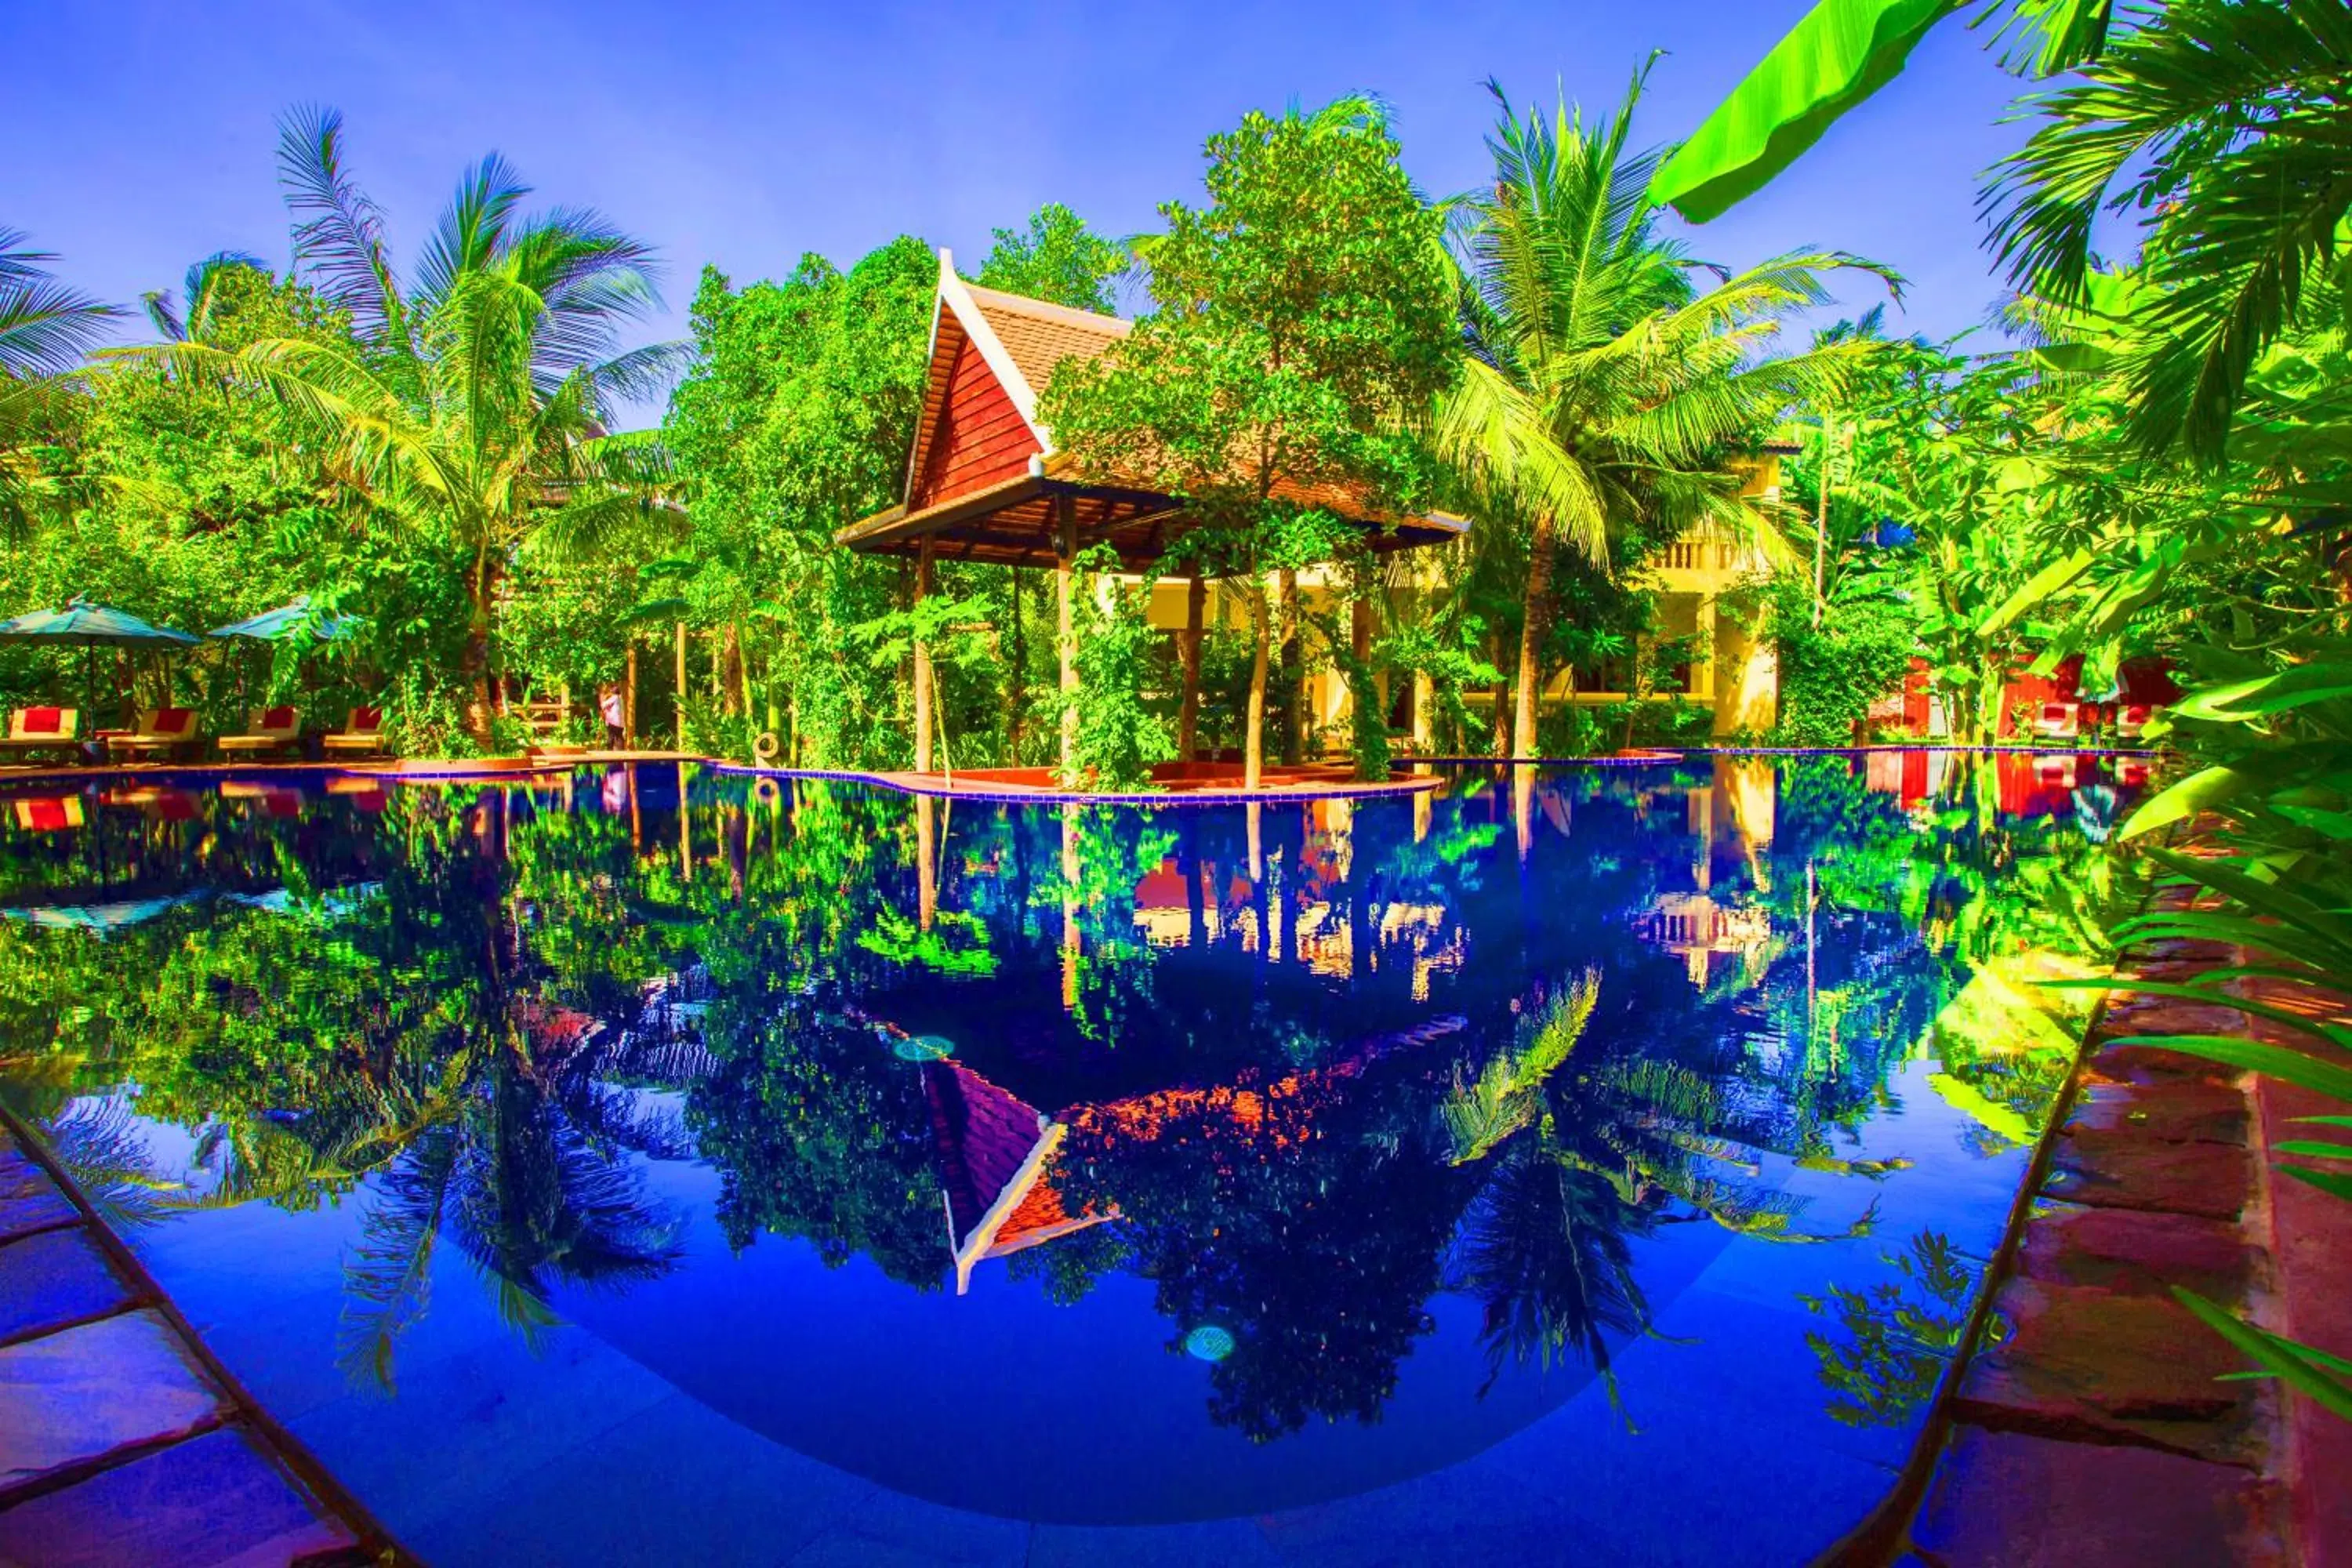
x=1303, y=1069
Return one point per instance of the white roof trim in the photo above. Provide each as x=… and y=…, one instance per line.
x=955, y=297
x=920, y=447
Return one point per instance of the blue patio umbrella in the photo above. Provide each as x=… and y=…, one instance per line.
x=87, y=626
x=294, y=616
x=101, y=918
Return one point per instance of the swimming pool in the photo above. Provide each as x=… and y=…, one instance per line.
x=671, y=1165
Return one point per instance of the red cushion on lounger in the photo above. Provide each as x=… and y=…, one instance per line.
x=44, y=815
x=279, y=718
x=44, y=720
x=366, y=720
x=173, y=721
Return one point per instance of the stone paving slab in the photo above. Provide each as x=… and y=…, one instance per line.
x=212, y=1502
x=2126, y=1169
x=85, y=1393
x=29, y=1200
x=2189, y=1111
x=2105, y=1367
x=56, y=1277
x=2004, y=1500
x=2141, y=1254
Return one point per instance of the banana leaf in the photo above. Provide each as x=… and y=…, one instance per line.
x=1840, y=54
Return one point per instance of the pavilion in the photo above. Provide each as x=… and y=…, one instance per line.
x=984, y=481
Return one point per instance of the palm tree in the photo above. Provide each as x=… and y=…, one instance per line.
x=1600, y=383
x=192, y=323
x=46, y=328
x=2225, y=122
x=472, y=402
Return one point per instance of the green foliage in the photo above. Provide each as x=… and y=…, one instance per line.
x=1831, y=674
x=1059, y=258
x=1302, y=317
x=794, y=423
x=1118, y=736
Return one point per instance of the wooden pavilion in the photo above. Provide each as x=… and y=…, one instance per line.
x=984, y=481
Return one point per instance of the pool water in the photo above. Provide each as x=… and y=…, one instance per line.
x=683, y=1166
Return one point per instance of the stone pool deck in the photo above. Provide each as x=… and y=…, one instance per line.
x=2105, y=1426
x=123, y=1443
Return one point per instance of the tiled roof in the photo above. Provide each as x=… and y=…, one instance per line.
x=983, y=1134
x=1039, y=335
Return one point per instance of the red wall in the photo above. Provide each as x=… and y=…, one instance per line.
x=981, y=439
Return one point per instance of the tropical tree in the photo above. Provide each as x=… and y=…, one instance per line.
x=1301, y=318
x=45, y=327
x=1600, y=382
x=473, y=402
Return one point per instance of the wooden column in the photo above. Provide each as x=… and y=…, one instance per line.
x=1065, y=638
x=629, y=703
x=681, y=686
x=1188, y=716
x=923, y=662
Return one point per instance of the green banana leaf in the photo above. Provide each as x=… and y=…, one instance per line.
x=1841, y=53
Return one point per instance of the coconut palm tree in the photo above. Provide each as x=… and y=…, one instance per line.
x=1601, y=382
x=2223, y=124
x=473, y=400
x=46, y=328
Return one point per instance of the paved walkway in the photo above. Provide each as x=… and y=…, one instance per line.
x=2104, y=1427
x=121, y=1443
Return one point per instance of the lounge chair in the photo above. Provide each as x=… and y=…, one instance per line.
x=47, y=814
x=160, y=733
x=2058, y=720
x=2131, y=721
x=32, y=730
x=273, y=729
x=363, y=737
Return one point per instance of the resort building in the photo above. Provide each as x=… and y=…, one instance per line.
x=985, y=483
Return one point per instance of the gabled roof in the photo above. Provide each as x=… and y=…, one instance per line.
x=1001, y=484
x=1020, y=340
x=994, y=1148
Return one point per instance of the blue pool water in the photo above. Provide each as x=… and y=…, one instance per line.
x=673, y=1166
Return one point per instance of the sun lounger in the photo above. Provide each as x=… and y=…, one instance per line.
x=2058, y=720
x=161, y=731
x=273, y=729
x=47, y=814
x=32, y=730
x=363, y=737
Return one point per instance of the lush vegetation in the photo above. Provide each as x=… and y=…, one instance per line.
x=2147, y=461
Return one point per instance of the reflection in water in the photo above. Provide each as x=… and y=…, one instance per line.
x=1304, y=1071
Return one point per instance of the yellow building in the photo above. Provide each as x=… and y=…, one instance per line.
x=1733, y=673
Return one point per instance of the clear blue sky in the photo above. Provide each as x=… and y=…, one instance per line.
x=746, y=134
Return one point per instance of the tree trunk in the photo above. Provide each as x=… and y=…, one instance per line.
x=1535, y=608
x=1188, y=715
x=1294, y=703
x=731, y=672
x=1254, y=719
x=1016, y=695
x=477, y=657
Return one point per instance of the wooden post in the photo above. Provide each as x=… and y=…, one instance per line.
x=681, y=686
x=922, y=661
x=1188, y=716
x=1065, y=553
x=629, y=703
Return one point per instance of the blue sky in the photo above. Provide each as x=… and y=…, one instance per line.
x=747, y=134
